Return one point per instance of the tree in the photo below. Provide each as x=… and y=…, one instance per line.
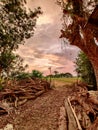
x=80, y=27
x=56, y=73
x=17, y=24
x=12, y=66
x=23, y=75
x=16, y=67
x=11, y=63
x=85, y=70
x=37, y=74
x=68, y=75
x=60, y=75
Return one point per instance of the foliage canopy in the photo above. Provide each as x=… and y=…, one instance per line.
x=17, y=23
x=85, y=69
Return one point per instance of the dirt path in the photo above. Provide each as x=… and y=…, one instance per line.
x=43, y=113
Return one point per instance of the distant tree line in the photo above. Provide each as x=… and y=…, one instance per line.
x=38, y=74
x=60, y=75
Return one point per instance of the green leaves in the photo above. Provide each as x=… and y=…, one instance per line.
x=85, y=70
x=16, y=25
x=5, y=59
x=36, y=73
x=23, y=75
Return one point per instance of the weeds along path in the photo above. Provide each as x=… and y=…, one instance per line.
x=43, y=113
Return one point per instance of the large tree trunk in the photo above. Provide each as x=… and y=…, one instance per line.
x=94, y=60
x=95, y=66
x=91, y=49
x=86, y=42
x=88, y=46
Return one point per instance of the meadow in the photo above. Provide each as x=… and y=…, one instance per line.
x=57, y=82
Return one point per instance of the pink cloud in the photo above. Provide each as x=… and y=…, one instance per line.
x=44, y=48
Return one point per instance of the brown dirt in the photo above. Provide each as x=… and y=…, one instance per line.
x=40, y=114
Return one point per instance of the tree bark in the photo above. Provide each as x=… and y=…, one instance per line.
x=91, y=49
x=86, y=42
x=88, y=46
x=95, y=66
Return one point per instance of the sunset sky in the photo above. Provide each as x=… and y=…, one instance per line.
x=45, y=49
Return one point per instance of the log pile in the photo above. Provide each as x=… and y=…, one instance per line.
x=82, y=109
x=23, y=91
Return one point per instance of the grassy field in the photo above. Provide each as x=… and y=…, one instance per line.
x=66, y=80
x=56, y=82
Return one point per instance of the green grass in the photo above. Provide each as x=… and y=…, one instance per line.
x=65, y=80
x=57, y=82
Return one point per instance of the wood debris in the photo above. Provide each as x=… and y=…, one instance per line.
x=82, y=109
x=23, y=91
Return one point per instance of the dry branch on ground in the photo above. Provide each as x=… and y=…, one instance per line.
x=23, y=90
x=84, y=105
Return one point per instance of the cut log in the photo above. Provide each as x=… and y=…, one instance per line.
x=62, y=122
x=73, y=120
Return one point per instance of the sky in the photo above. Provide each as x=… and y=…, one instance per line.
x=45, y=49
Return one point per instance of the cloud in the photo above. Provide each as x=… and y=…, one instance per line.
x=45, y=49
x=59, y=63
